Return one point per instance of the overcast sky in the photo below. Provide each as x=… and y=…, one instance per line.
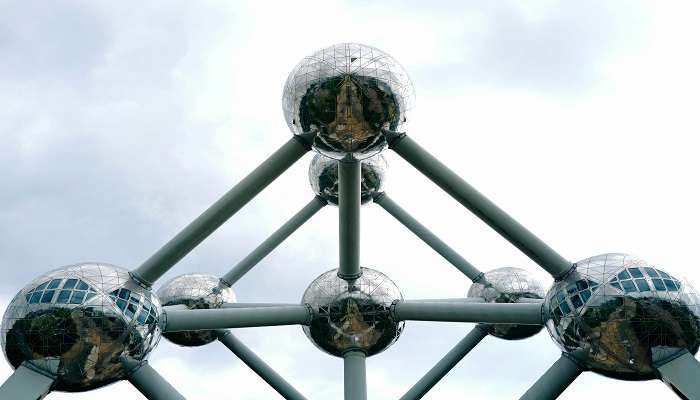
x=120, y=123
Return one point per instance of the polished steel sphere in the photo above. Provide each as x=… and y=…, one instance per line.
x=508, y=285
x=348, y=92
x=323, y=176
x=194, y=291
x=80, y=322
x=354, y=314
x=619, y=315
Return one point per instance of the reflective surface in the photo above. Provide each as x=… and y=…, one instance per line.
x=348, y=92
x=507, y=285
x=623, y=314
x=194, y=291
x=352, y=315
x=87, y=316
x=323, y=176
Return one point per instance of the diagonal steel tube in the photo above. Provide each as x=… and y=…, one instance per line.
x=494, y=313
x=273, y=241
x=258, y=366
x=682, y=375
x=428, y=237
x=557, y=378
x=355, y=375
x=149, y=382
x=27, y=383
x=223, y=318
x=349, y=203
x=446, y=364
x=477, y=203
x=198, y=230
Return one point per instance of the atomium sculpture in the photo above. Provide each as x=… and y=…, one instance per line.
x=87, y=325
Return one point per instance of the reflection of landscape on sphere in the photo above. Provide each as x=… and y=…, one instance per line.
x=323, y=176
x=624, y=314
x=83, y=319
x=349, y=92
x=507, y=285
x=196, y=291
x=352, y=315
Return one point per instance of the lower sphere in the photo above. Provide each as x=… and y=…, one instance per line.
x=79, y=323
x=195, y=291
x=508, y=285
x=353, y=314
x=619, y=315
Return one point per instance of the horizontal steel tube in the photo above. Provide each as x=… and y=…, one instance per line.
x=494, y=313
x=259, y=366
x=477, y=203
x=557, y=378
x=149, y=382
x=274, y=240
x=428, y=237
x=223, y=318
x=446, y=364
x=349, y=203
x=198, y=230
x=254, y=305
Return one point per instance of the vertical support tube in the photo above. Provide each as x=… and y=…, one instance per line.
x=349, y=203
x=355, y=375
x=428, y=237
x=150, y=383
x=445, y=364
x=557, y=378
x=258, y=366
x=273, y=241
x=477, y=203
x=198, y=230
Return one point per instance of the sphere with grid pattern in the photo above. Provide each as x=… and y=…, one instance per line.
x=323, y=177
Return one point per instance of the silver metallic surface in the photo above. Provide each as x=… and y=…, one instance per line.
x=323, y=177
x=195, y=291
x=508, y=285
x=352, y=315
x=622, y=314
x=87, y=316
x=349, y=92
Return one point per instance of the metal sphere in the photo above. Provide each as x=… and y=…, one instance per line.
x=618, y=315
x=323, y=176
x=194, y=291
x=349, y=92
x=352, y=315
x=80, y=322
x=508, y=285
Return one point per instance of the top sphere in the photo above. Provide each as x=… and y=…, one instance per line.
x=78, y=323
x=195, y=291
x=349, y=92
x=508, y=285
x=618, y=316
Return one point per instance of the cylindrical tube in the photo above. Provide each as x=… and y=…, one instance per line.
x=355, y=375
x=349, y=203
x=223, y=318
x=494, y=313
x=557, y=378
x=149, y=382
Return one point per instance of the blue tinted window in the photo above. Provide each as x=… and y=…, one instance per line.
x=585, y=295
x=135, y=297
x=670, y=285
x=663, y=274
x=142, y=316
x=130, y=310
x=623, y=275
x=54, y=284
x=565, y=308
x=89, y=295
x=124, y=293
x=642, y=285
x=592, y=284
x=651, y=272
x=576, y=301
x=63, y=296
x=560, y=296
x=48, y=296
x=42, y=286
x=616, y=285
x=635, y=272
x=658, y=284
x=82, y=285
x=70, y=283
x=121, y=304
x=628, y=285
x=571, y=289
x=78, y=297
x=36, y=296
x=582, y=284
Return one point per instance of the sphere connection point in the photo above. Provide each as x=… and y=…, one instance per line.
x=623, y=315
x=78, y=322
x=323, y=176
x=508, y=285
x=195, y=291
x=348, y=92
x=354, y=314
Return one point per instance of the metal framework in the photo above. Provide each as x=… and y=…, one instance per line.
x=678, y=370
